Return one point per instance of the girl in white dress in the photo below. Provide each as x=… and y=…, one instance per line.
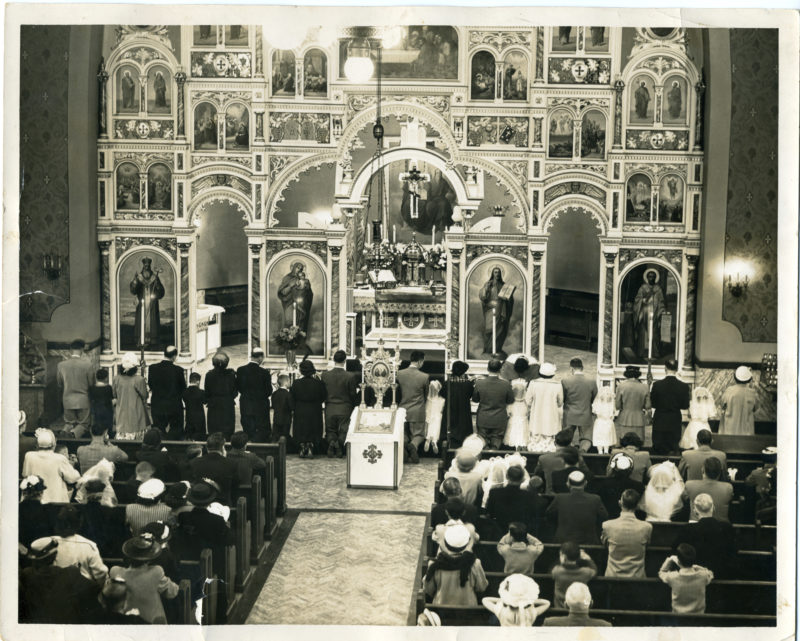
x=663, y=494
x=433, y=416
x=604, y=434
x=701, y=409
x=516, y=435
x=545, y=398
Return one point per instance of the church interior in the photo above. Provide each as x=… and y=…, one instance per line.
x=283, y=192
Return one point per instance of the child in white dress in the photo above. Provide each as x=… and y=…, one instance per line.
x=701, y=408
x=516, y=435
x=433, y=416
x=604, y=434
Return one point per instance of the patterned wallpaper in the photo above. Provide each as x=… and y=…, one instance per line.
x=44, y=168
x=752, y=217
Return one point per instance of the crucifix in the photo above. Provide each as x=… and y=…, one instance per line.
x=414, y=178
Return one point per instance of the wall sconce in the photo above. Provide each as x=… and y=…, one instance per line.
x=737, y=284
x=499, y=211
x=197, y=222
x=51, y=266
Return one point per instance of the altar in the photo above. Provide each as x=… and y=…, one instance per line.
x=375, y=448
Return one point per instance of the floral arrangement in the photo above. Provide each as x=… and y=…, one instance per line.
x=437, y=257
x=290, y=337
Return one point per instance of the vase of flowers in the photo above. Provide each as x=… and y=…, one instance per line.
x=290, y=338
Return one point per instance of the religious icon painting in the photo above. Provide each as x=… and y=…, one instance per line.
x=593, y=136
x=642, y=97
x=515, y=76
x=495, y=312
x=205, y=34
x=205, y=126
x=237, y=128
x=596, y=39
x=236, y=35
x=283, y=73
x=298, y=298
x=315, y=74
x=482, y=76
x=146, y=301
x=646, y=288
x=127, y=90
x=670, y=199
x=638, y=199
x=159, y=89
x=565, y=40
x=674, y=101
x=560, y=141
x=128, y=187
x=159, y=187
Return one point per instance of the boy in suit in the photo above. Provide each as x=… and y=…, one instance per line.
x=194, y=398
x=281, y=409
x=494, y=395
x=413, y=386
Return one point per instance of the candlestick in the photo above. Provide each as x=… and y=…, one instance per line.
x=294, y=313
x=141, y=323
x=494, y=330
x=650, y=335
x=380, y=317
x=433, y=236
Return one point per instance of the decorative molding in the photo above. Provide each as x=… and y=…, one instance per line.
x=247, y=161
x=500, y=40
x=574, y=187
x=579, y=105
x=358, y=102
x=221, y=64
x=657, y=139
x=518, y=168
x=663, y=65
x=123, y=243
x=581, y=71
x=519, y=252
x=159, y=33
x=598, y=218
x=144, y=55
x=671, y=256
x=221, y=98
x=142, y=159
x=144, y=129
x=291, y=127
x=317, y=247
x=656, y=170
x=597, y=168
x=221, y=180
x=143, y=215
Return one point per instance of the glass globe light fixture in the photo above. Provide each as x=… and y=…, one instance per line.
x=358, y=67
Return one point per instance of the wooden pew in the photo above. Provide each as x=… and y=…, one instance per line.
x=185, y=605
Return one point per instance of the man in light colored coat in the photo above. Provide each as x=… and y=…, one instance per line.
x=627, y=538
x=75, y=376
x=579, y=393
x=413, y=389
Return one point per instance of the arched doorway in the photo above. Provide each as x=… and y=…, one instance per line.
x=572, y=281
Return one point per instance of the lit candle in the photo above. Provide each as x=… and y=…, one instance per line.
x=141, y=323
x=494, y=330
x=433, y=236
x=294, y=313
x=650, y=335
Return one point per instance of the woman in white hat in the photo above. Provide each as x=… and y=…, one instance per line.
x=545, y=398
x=130, y=391
x=54, y=469
x=519, y=603
x=739, y=403
x=456, y=574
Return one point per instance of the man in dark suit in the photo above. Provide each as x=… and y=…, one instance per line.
x=572, y=462
x=413, y=389
x=75, y=376
x=510, y=503
x=255, y=387
x=668, y=397
x=167, y=382
x=578, y=514
x=691, y=463
x=342, y=388
x=549, y=462
x=493, y=395
x=227, y=473
x=151, y=452
x=579, y=393
x=713, y=540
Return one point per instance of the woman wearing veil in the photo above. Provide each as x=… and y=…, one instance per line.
x=663, y=495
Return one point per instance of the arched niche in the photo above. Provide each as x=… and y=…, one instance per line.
x=643, y=283
x=147, y=274
x=675, y=102
x=515, y=76
x=593, y=135
x=560, y=137
x=641, y=100
x=127, y=89
x=221, y=249
x=639, y=198
x=510, y=307
x=495, y=194
x=482, y=76
x=283, y=73
x=159, y=187
x=159, y=90
x=297, y=277
x=205, y=127
x=237, y=127
x=315, y=74
x=306, y=202
x=129, y=189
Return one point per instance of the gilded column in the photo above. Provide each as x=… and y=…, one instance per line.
x=536, y=300
x=691, y=305
x=455, y=295
x=180, y=79
x=102, y=98
x=255, y=295
x=105, y=293
x=184, y=309
x=608, y=313
x=335, y=253
x=619, y=86
x=259, y=126
x=539, y=55
x=259, y=53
